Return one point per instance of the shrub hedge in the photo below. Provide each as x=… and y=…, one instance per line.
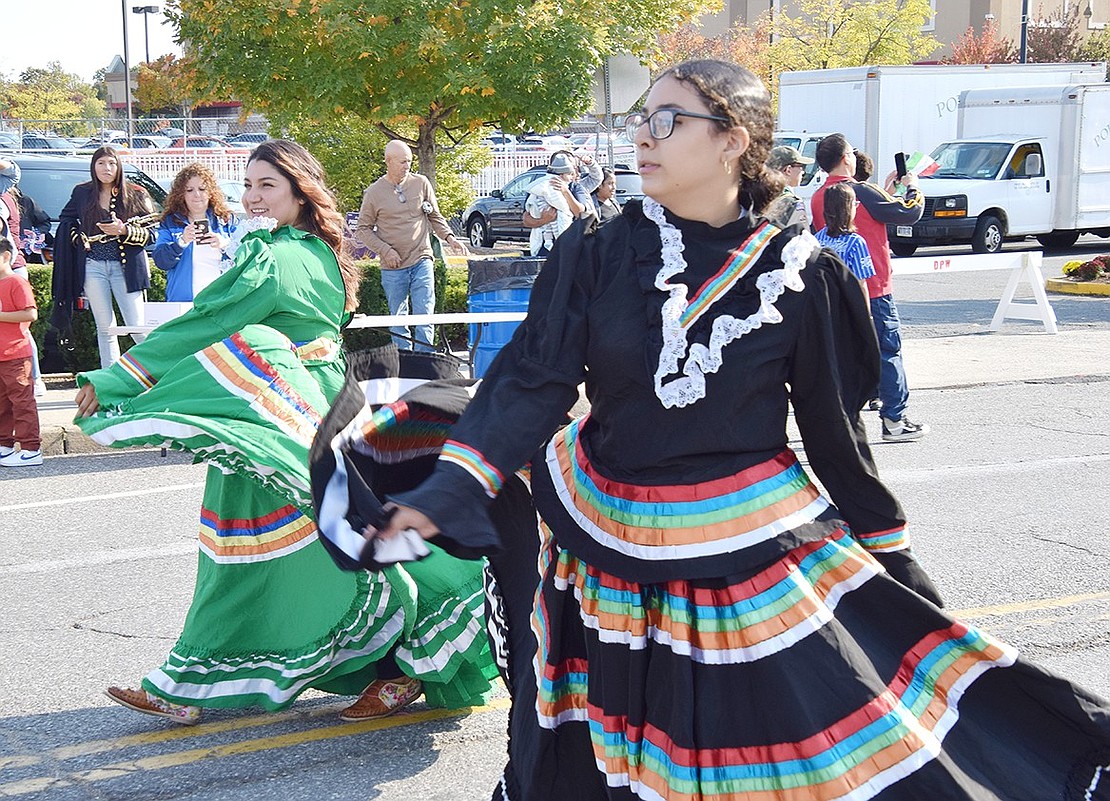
x=450, y=297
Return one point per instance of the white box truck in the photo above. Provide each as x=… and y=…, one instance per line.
x=1026, y=162
x=886, y=110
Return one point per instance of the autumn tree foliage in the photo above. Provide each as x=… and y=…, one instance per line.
x=747, y=45
x=1056, y=37
x=165, y=85
x=983, y=47
x=824, y=34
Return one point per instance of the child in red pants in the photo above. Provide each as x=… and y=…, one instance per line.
x=19, y=416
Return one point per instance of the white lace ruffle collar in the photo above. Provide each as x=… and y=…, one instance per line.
x=690, y=386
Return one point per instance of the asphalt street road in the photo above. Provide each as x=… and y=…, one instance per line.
x=1006, y=499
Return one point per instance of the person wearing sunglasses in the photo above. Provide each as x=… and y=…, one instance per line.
x=399, y=214
x=701, y=621
x=788, y=209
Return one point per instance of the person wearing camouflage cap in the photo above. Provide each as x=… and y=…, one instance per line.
x=787, y=209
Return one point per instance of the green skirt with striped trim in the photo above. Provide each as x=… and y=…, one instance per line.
x=271, y=613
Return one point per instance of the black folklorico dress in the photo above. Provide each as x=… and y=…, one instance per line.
x=692, y=618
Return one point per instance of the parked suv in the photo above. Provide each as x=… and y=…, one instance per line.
x=50, y=181
x=500, y=215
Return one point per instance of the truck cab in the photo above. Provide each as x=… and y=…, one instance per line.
x=981, y=192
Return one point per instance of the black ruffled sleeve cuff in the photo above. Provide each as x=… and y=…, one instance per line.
x=459, y=507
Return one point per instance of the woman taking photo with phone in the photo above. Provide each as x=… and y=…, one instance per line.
x=696, y=619
x=242, y=381
x=99, y=249
x=196, y=227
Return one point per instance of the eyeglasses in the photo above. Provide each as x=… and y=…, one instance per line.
x=661, y=123
x=400, y=194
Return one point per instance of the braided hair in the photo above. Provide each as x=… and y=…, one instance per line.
x=733, y=92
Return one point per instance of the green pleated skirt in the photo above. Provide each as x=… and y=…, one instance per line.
x=271, y=613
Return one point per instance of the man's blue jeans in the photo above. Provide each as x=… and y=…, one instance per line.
x=894, y=392
x=417, y=282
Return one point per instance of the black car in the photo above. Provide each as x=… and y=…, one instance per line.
x=500, y=215
x=50, y=181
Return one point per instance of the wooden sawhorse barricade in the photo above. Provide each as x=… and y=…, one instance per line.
x=1023, y=265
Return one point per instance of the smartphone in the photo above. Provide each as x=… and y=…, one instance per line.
x=200, y=227
x=899, y=165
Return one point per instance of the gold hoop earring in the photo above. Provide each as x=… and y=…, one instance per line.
x=728, y=168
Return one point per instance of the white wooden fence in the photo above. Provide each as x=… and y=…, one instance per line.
x=163, y=165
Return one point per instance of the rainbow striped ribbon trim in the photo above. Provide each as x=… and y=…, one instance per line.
x=740, y=623
x=257, y=539
x=893, y=539
x=398, y=432
x=132, y=367
x=852, y=760
x=246, y=374
x=682, y=521
x=474, y=463
x=733, y=270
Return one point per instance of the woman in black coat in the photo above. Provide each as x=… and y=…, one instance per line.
x=99, y=249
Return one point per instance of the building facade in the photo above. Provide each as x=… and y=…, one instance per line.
x=952, y=18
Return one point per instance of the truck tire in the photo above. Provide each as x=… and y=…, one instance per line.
x=1058, y=239
x=903, y=248
x=988, y=235
x=477, y=232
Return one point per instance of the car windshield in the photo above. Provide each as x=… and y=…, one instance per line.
x=969, y=160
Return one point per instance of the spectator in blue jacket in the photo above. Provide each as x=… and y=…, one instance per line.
x=193, y=255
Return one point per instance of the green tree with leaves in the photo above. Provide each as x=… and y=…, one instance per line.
x=352, y=153
x=441, y=67
x=826, y=34
x=51, y=94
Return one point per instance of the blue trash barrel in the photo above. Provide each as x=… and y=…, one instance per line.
x=496, y=285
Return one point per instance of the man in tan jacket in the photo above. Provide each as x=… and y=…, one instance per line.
x=399, y=213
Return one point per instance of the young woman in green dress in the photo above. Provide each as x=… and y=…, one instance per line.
x=242, y=381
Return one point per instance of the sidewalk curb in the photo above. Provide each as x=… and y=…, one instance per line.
x=68, y=440
x=1068, y=287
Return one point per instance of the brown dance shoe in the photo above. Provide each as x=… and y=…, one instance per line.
x=142, y=701
x=382, y=698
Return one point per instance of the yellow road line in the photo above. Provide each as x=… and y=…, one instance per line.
x=1030, y=606
x=177, y=759
x=249, y=746
x=175, y=733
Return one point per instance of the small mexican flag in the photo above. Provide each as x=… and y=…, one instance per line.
x=920, y=164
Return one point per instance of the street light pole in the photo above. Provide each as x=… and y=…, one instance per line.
x=146, y=11
x=1024, y=49
x=126, y=71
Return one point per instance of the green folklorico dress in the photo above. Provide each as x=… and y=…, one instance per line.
x=242, y=382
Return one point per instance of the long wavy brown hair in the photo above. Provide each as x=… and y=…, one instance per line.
x=175, y=200
x=319, y=214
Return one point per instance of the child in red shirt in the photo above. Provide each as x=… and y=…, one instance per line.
x=19, y=416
